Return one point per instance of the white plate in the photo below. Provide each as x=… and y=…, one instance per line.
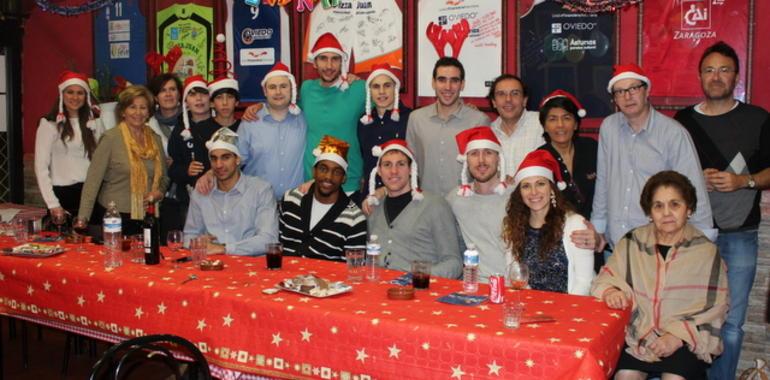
x=335, y=288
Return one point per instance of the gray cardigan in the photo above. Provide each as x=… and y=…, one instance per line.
x=424, y=230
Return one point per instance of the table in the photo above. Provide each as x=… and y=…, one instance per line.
x=360, y=335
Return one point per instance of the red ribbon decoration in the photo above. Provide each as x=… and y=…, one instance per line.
x=155, y=60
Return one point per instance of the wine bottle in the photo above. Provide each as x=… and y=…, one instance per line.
x=151, y=229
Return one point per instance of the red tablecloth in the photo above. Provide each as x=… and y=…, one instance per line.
x=359, y=335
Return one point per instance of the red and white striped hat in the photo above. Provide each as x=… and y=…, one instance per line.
x=279, y=69
x=377, y=70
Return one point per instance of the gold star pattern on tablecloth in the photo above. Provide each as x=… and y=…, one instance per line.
x=162, y=308
x=81, y=300
x=100, y=296
x=457, y=372
x=393, y=351
x=201, y=324
x=30, y=290
x=138, y=312
x=361, y=355
x=47, y=286
x=306, y=335
x=277, y=339
x=227, y=320
x=494, y=369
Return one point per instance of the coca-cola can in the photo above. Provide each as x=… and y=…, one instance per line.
x=496, y=288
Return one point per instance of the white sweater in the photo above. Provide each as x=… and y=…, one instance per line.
x=580, y=272
x=57, y=163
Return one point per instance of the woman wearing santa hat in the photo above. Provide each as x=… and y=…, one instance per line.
x=65, y=141
x=537, y=229
x=560, y=116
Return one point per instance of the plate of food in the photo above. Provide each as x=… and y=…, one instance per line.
x=310, y=285
x=34, y=250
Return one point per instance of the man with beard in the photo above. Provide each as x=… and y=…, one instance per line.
x=518, y=130
x=634, y=144
x=411, y=225
x=323, y=222
x=239, y=214
x=431, y=130
x=733, y=143
x=479, y=207
x=332, y=105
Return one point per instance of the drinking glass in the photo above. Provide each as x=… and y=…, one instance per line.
x=20, y=230
x=80, y=227
x=174, y=240
x=274, y=255
x=59, y=220
x=421, y=274
x=356, y=260
x=198, y=249
x=518, y=275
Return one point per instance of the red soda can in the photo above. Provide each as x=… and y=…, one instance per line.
x=496, y=288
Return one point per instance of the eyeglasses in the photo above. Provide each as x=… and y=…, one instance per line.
x=721, y=70
x=630, y=91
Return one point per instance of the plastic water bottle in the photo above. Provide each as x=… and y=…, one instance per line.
x=373, y=250
x=112, y=233
x=471, y=270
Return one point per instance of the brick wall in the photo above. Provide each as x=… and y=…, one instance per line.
x=756, y=343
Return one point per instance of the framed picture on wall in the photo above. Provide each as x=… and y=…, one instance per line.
x=469, y=30
x=561, y=49
x=673, y=36
x=370, y=32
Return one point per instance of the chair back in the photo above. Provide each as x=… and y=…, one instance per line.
x=152, y=357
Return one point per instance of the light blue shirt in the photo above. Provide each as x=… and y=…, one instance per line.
x=272, y=150
x=244, y=219
x=626, y=160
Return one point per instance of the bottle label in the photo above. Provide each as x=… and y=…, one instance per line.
x=373, y=249
x=471, y=258
x=147, y=238
x=112, y=224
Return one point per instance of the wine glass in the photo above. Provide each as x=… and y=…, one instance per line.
x=59, y=220
x=174, y=240
x=518, y=275
x=80, y=227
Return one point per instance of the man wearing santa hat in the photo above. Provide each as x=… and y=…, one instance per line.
x=479, y=206
x=323, y=222
x=332, y=105
x=411, y=225
x=239, y=214
x=634, y=144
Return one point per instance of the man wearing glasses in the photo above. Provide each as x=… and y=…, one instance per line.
x=733, y=143
x=431, y=130
x=634, y=144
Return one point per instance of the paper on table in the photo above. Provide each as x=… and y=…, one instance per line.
x=7, y=214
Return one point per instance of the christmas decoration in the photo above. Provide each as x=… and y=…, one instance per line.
x=65, y=10
x=596, y=6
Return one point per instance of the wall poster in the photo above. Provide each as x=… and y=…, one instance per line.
x=256, y=37
x=675, y=34
x=191, y=27
x=369, y=31
x=469, y=30
x=120, y=42
x=559, y=49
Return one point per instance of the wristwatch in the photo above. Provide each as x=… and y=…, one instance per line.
x=752, y=184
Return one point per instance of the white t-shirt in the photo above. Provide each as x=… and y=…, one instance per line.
x=318, y=211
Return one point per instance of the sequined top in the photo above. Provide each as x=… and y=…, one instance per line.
x=548, y=274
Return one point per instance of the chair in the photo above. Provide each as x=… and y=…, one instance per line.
x=150, y=357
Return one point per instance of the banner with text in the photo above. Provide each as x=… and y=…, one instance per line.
x=675, y=34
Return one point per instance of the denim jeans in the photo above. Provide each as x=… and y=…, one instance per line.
x=739, y=251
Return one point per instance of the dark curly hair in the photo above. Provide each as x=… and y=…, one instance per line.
x=516, y=222
x=668, y=178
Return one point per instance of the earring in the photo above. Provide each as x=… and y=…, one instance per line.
x=553, y=199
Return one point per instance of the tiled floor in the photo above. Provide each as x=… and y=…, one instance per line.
x=45, y=355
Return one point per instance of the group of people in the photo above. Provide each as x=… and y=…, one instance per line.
x=672, y=204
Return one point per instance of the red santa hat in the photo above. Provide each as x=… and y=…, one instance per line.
x=564, y=94
x=332, y=149
x=222, y=74
x=627, y=71
x=540, y=163
x=279, y=69
x=377, y=70
x=480, y=137
x=194, y=81
x=328, y=43
x=379, y=151
x=69, y=78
